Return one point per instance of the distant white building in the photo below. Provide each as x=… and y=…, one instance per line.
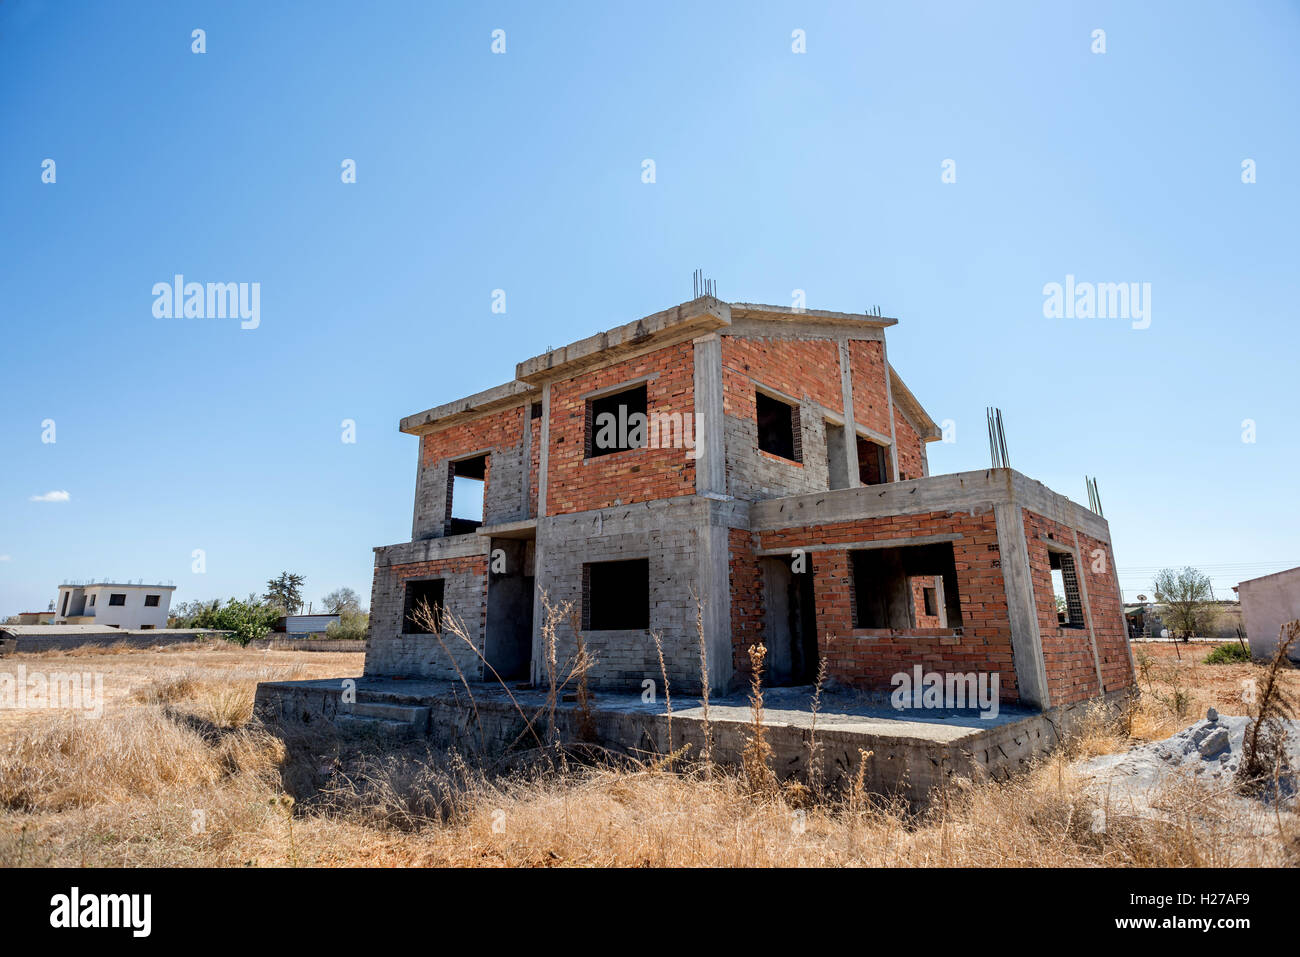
x=1268, y=603
x=308, y=624
x=113, y=605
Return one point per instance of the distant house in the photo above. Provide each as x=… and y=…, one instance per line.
x=35, y=618
x=1267, y=603
x=113, y=605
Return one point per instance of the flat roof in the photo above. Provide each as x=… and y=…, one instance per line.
x=1285, y=571
x=116, y=585
x=684, y=321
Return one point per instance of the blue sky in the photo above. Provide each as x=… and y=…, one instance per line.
x=775, y=171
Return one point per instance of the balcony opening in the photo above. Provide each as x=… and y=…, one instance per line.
x=467, y=492
x=884, y=594
x=874, y=467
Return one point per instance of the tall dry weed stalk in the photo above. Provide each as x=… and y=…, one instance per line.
x=658, y=639
x=457, y=627
x=1264, y=757
x=582, y=665
x=431, y=619
x=816, y=774
x=757, y=754
x=707, y=756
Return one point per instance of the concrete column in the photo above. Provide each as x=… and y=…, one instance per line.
x=889, y=391
x=540, y=583
x=1026, y=640
x=715, y=594
x=710, y=461
x=525, y=459
x=850, y=424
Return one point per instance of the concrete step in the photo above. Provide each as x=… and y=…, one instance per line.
x=414, y=715
x=379, y=727
x=384, y=718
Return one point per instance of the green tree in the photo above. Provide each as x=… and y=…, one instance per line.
x=1188, y=600
x=242, y=621
x=285, y=592
x=341, y=600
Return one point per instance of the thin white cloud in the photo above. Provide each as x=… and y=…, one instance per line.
x=56, y=496
x=6, y=558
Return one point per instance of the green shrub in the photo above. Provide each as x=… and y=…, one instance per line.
x=351, y=624
x=1228, y=654
x=242, y=621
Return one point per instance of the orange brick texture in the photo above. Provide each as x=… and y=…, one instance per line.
x=746, y=578
x=870, y=387
x=576, y=483
x=911, y=450
x=1067, y=652
x=497, y=430
x=798, y=368
x=919, y=585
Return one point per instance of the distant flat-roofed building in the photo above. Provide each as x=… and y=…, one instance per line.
x=113, y=605
x=1268, y=603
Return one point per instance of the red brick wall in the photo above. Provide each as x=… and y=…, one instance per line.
x=1067, y=652
x=534, y=464
x=809, y=367
x=1107, y=613
x=575, y=483
x=911, y=450
x=502, y=429
x=396, y=577
x=746, y=578
x=919, y=585
x=870, y=387
x=869, y=661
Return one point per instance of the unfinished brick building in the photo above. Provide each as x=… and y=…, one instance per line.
x=783, y=479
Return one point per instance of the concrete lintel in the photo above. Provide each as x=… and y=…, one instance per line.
x=525, y=528
x=432, y=549
x=757, y=310
x=480, y=403
x=860, y=546
x=961, y=491
x=684, y=321
x=775, y=326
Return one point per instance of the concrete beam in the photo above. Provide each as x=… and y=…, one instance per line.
x=685, y=321
x=471, y=407
x=859, y=320
x=850, y=432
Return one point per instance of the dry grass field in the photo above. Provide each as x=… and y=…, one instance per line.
x=177, y=773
